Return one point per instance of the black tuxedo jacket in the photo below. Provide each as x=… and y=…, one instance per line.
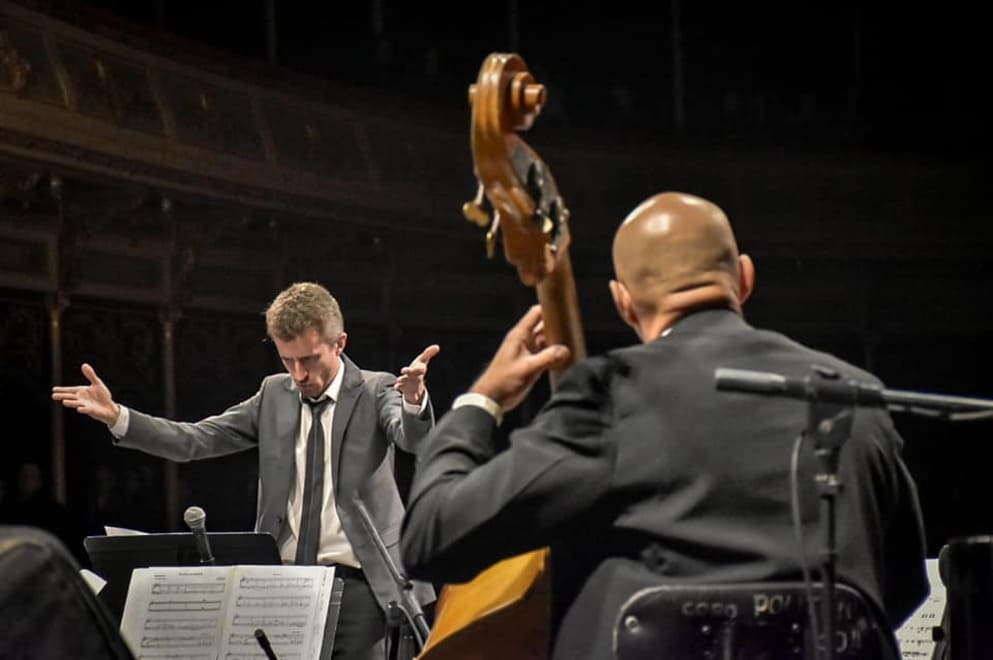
x=637, y=456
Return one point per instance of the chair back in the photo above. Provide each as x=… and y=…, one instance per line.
x=47, y=610
x=748, y=621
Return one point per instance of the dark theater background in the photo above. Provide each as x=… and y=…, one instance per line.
x=166, y=167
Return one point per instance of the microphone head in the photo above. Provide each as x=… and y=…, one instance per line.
x=194, y=516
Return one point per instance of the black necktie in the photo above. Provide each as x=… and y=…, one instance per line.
x=313, y=489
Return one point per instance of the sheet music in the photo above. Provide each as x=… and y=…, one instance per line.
x=212, y=612
x=94, y=581
x=914, y=636
x=121, y=531
x=290, y=603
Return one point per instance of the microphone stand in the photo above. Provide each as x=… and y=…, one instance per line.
x=408, y=607
x=829, y=424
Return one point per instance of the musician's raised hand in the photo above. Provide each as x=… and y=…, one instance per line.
x=94, y=400
x=521, y=359
x=410, y=382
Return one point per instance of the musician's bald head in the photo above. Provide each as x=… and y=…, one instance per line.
x=672, y=254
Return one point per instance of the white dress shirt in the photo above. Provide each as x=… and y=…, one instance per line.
x=333, y=546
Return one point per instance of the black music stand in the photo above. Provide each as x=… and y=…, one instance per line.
x=115, y=557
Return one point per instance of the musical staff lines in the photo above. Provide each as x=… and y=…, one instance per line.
x=213, y=612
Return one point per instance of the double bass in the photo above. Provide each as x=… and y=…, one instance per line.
x=504, y=612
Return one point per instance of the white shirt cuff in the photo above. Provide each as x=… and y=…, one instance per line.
x=120, y=427
x=415, y=408
x=480, y=401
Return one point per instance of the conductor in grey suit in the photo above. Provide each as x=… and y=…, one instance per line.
x=325, y=431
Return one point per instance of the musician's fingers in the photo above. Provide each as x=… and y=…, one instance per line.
x=427, y=354
x=87, y=409
x=531, y=318
x=91, y=375
x=538, y=340
x=548, y=357
x=66, y=390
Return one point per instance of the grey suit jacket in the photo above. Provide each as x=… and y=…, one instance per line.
x=368, y=420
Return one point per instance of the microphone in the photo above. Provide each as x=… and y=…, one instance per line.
x=194, y=517
x=825, y=386
x=263, y=641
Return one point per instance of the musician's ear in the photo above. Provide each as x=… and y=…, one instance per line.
x=746, y=278
x=622, y=301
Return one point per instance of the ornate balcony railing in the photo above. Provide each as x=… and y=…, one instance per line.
x=79, y=101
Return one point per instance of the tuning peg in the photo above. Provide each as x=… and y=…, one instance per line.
x=547, y=226
x=473, y=211
x=535, y=182
x=558, y=213
x=491, y=236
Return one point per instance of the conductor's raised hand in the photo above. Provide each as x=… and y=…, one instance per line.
x=410, y=382
x=93, y=400
x=521, y=359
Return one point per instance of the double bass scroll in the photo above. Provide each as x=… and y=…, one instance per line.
x=504, y=612
x=527, y=206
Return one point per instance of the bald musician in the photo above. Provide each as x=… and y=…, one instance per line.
x=638, y=471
